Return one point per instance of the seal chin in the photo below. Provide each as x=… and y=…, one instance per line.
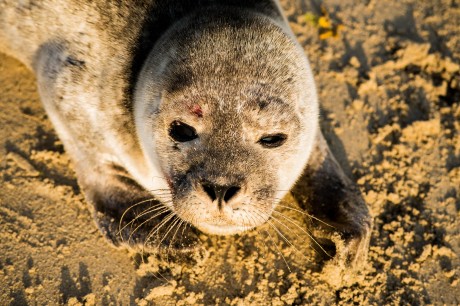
x=221, y=229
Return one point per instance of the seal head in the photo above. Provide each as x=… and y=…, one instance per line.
x=226, y=110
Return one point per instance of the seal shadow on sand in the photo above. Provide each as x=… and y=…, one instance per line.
x=70, y=288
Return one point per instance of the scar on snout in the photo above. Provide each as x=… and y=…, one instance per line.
x=196, y=110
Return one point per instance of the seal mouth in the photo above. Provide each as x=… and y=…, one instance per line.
x=217, y=222
x=223, y=230
x=220, y=216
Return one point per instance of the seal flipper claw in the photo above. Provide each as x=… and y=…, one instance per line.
x=128, y=217
x=325, y=192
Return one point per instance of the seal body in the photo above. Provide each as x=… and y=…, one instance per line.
x=181, y=113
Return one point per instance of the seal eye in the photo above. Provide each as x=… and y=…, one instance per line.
x=182, y=132
x=273, y=141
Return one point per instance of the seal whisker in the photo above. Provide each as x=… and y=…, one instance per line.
x=159, y=226
x=304, y=231
x=183, y=230
x=175, y=221
x=160, y=177
x=289, y=229
x=246, y=224
x=280, y=233
x=132, y=206
x=249, y=225
x=279, y=251
x=306, y=214
x=159, y=191
x=178, y=222
x=137, y=215
x=285, y=238
x=154, y=230
x=148, y=220
x=163, y=196
x=168, y=229
x=175, y=233
x=145, y=212
x=257, y=211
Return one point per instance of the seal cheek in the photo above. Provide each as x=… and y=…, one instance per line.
x=169, y=182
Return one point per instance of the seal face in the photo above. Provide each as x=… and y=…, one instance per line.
x=230, y=118
x=177, y=113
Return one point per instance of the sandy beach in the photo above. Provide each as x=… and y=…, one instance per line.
x=388, y=77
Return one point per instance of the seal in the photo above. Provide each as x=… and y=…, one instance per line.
x=183, y=115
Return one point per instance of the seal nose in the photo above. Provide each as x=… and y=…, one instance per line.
x=220, y=193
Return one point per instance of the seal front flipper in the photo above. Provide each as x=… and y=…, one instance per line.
x=339, y=213
x=128, y=216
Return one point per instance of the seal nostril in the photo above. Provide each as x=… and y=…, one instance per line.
x=210, y=191
x=231, y=192
x=220, y=193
